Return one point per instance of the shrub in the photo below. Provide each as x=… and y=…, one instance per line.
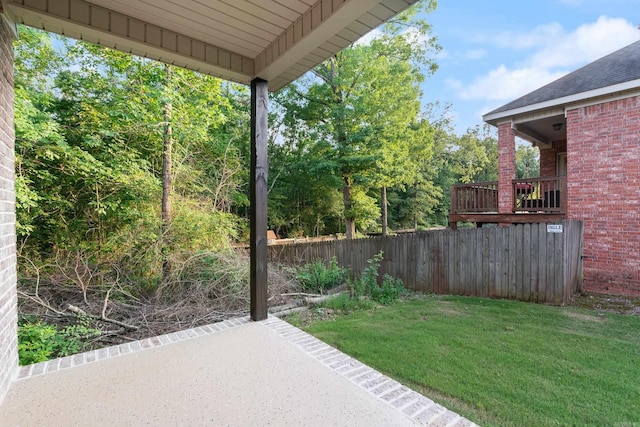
x=316, y=277
x=35, y=342
x=40, y=341
x=389, y=291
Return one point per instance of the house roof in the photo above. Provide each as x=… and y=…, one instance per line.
x=617, y=71
x=239, y=40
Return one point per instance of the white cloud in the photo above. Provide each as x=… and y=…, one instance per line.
x=539, y=36
x=474, y=54
x=503, y=83
x=459, y=57
x=587, y=43
x=556, y=52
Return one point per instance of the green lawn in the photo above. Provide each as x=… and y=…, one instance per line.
x=502, y=362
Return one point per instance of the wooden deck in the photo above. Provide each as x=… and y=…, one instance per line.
x=535, y=200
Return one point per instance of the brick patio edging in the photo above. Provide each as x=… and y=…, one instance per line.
x=414, y=405
x=54, y=365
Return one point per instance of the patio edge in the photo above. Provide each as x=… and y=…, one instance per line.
x=411, y=403
x=53, y=365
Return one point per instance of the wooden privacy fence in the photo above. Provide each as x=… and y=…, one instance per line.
x=528, y=262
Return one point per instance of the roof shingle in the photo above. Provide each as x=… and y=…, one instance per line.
x=618, y=67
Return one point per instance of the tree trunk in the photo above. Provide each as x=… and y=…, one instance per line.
x=349, y=217
x=415, y=208
x=383, y=210
x=167, y=142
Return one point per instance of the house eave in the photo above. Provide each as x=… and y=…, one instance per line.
x=630, y=87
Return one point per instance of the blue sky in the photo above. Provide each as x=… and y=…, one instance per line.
x=497, y=50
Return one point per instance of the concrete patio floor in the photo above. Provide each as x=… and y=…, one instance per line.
x=234, y=373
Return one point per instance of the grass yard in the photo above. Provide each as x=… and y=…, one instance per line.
x=501, y=362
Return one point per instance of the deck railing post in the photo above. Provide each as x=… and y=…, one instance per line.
x=562, y=185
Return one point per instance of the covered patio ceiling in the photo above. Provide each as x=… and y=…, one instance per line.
x=236, y=40
x=541, y=131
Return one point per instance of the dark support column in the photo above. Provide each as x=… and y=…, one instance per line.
x=258, y=196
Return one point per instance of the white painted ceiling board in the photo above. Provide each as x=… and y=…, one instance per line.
x=277, y=40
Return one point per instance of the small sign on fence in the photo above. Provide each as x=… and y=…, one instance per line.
x=554, y=228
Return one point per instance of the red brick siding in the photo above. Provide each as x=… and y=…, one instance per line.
x=548, y=158
x=603, y=175
x=8, y=297
x=507, y=170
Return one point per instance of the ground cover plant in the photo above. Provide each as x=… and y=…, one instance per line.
x=502, y=362
x=317, y=277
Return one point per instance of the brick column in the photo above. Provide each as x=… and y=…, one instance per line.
x=506, y=167
x=8, y=296
x=603, y=178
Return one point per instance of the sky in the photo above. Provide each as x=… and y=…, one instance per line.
x=494, y=51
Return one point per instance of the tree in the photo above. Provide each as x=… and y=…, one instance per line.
x=90, y=138
x=527, y=161
x=474, y=155
x=360, y=104
x=167, y=143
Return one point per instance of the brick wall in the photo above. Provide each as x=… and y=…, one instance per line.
x=548, y=158
x=507, y=170
x=8, y=298
x=603, y=174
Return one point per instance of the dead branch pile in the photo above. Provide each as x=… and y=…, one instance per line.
x=205, y=288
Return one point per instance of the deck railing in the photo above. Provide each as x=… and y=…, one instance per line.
x=543, y=194
x=479, y=197
x=530, y=195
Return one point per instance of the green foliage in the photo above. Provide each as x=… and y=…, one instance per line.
x=35, y=342
x=474, y=156
x=197, y=226
x=357, y=114
x=387, y=292
x=89, y=157
x=345, y=304
x=527, y=161
x=40, y=341
x=317, y=277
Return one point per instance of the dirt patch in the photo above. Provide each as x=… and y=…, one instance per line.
x=607, y=303
x=449, y=309
x=596, y=318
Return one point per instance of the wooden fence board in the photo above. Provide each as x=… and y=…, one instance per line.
x=492, y=263
x=526, y=261
x=558, y=274
x=513, y=261
x=542, y=266
x=535, y=260
x=498, y=257
x=549, y=270
x=521, y=261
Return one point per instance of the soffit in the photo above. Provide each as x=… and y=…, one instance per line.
x=236, y=40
